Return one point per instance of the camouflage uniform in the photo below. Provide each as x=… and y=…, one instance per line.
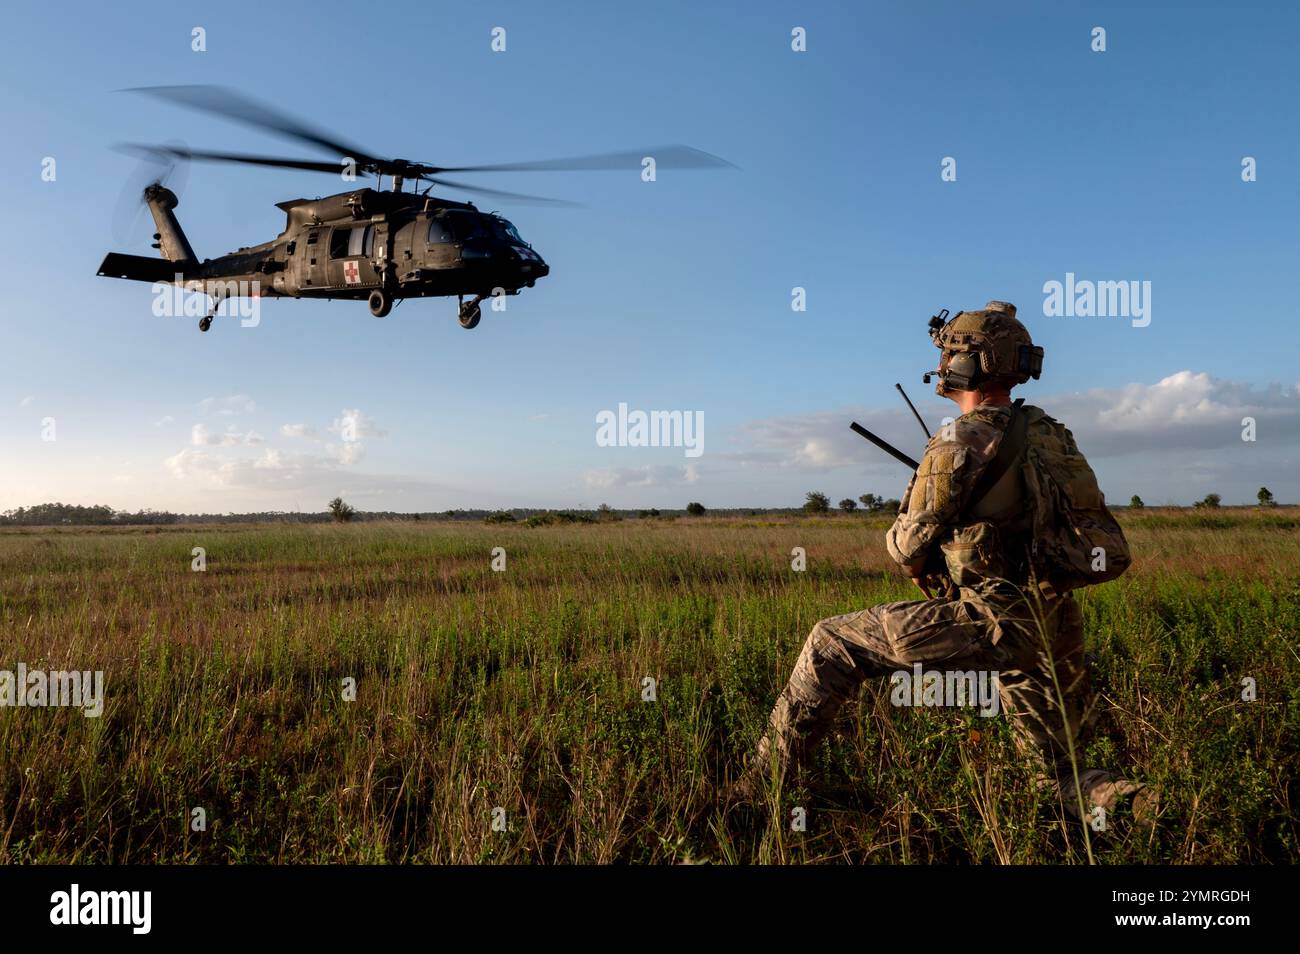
x=994, y=614
x=993, y=621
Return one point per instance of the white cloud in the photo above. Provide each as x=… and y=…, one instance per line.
x=164, y=421
x=271, y=468
x=1186, y=410
x=347, y=454
x=201, y=436
x=647, y=476
x=352, y=425
x=1182, y=411
x=821, y=441
x=305, y=431
x=27, y=401
x=230, y=406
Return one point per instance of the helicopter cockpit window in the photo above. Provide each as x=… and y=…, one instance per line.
x=508, y=231
x=466, y=225
x=358, y=240
x=440, y=232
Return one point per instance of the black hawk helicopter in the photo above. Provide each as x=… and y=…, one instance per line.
x=382, y=246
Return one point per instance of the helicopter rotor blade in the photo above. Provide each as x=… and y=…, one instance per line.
x=222, y=101
x=311, y=165
x=501, y=194
x=665, y=157
x=227, y=103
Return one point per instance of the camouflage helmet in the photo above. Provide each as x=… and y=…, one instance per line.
x=983, y=347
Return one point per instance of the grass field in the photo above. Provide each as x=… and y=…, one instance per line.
x=522, y=690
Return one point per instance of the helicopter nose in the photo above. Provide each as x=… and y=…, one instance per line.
x=530, y=271
x=530, y=264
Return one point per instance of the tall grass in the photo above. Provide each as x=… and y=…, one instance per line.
x=479, y=691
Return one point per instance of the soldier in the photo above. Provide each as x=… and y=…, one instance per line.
x=1003, y=517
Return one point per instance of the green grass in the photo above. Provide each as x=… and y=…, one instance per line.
x=523, y=690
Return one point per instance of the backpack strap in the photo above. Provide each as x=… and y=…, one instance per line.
x=1009, y=449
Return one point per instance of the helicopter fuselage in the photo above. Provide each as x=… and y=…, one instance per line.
x=366, y=244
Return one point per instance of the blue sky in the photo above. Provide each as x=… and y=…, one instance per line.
x=1123, y=165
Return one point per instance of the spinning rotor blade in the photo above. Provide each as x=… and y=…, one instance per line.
x=229, y=104
x=232, y=105
x=515, y=196
x=666, y=157
x=311, y=165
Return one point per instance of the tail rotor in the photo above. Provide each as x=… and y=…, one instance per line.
x=131, y=212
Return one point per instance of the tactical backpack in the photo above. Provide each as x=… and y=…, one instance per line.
x=1077, y=542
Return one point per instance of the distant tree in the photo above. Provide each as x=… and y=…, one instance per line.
x=340, y=511
x=1135, y=503
x=501, y=516
x=652, y=512
x=1266, y=497
x=817, y=502
x=59, y=513
x=891, y=505
x=848, y=505
x=1210, y=502
x=870, y=502
x=695, y=509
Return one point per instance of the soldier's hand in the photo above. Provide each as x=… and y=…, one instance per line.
x=916, y=570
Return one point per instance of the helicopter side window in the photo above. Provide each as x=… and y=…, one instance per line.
x=362, y=241
x=466, y=226
x=358, y=240
x=339, y=242
x=440, y=232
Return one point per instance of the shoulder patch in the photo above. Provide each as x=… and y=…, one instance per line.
x=932, y=489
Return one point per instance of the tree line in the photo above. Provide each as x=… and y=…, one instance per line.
x=815, y=502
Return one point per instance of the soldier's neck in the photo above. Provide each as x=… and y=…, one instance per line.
x=969, y=400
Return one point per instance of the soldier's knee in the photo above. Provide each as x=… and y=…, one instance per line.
x=823, y=652
x=825, y=642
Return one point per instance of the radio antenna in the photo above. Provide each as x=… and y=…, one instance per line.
x=915, y=413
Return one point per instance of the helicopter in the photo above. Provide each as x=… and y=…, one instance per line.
x=379, y=245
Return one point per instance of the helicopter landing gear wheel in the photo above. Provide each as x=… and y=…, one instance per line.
x=205, y=323
x=381, y=303
x=470, y=313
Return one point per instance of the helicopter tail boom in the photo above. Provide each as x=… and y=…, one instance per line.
x=173, y=244
x=141, y=268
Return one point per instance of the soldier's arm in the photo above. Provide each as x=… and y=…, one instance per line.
x=940, y=490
